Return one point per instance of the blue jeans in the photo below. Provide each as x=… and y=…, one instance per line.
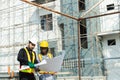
x=46, y=77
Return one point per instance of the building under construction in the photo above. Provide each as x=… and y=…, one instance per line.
x=87, y=30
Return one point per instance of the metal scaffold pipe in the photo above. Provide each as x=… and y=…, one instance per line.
x=92, y=8
x=46, y=8
x=72, y=17
x=117, y=12
x=78, y=22
x=79, y=49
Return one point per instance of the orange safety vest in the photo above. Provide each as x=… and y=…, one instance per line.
x=30, y=70
x=40, y=58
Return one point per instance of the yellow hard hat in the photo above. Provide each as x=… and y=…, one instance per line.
x=44, y=43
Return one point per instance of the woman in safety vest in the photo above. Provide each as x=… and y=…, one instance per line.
x=27, y=57
x=45, y=54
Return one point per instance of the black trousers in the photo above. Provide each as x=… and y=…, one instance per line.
x=26, y=76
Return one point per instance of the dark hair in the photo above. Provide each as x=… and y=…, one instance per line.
x=31, y=43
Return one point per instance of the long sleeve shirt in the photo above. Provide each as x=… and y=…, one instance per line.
x=22, y=56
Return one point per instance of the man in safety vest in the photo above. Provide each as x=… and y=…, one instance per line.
x=45, y=54
x=27, y=57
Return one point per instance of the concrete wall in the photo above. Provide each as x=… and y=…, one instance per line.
x=90, y=55
x=110, y=26
x=110, y=22
x=111, y=55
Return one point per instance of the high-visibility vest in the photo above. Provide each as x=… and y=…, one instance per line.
x=40, y=58
x=48, y=54
x=30, y=70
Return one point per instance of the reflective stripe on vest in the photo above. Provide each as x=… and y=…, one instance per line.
x=49, y=56
x=44, y=72
x=40, y=58
x=30, y=70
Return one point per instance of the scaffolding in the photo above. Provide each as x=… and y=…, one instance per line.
x=21, y=21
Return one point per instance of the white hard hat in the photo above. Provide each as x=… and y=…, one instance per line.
x=33, y=40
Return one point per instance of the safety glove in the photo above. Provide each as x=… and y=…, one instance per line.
x=31, y=65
